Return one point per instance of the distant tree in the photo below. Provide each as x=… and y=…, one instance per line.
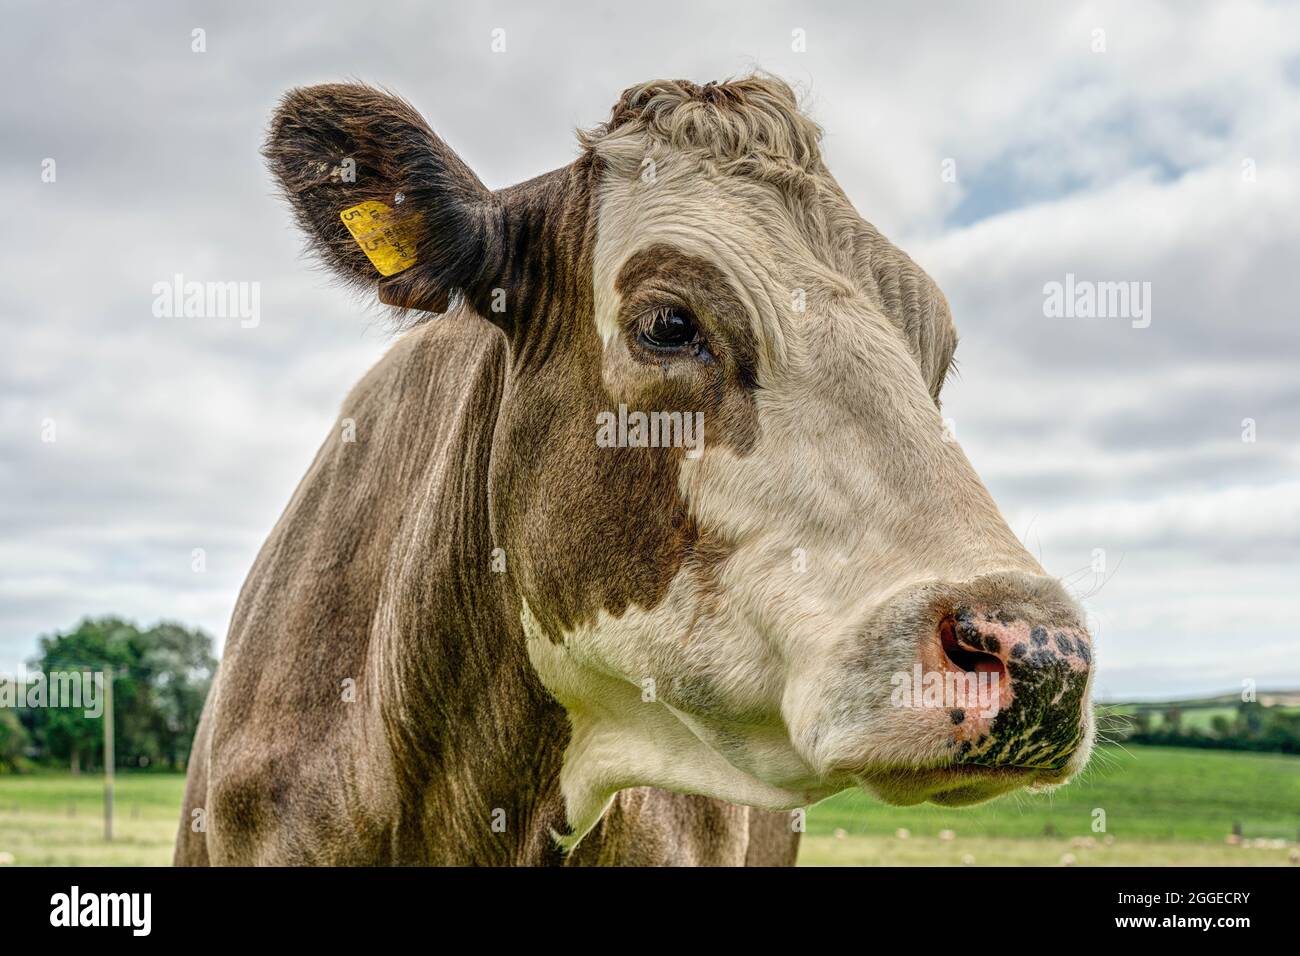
x=161, y=677
x=1252, y=726
x=94, y=645
x=1250, y=717
x=1173, y=721
x=176, y=665
x=13, y=742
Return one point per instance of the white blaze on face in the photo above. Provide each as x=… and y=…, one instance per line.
x=765, y=687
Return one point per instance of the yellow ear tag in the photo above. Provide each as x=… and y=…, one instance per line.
x=388, y=243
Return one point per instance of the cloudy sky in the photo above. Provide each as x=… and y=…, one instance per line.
x=1004, y=147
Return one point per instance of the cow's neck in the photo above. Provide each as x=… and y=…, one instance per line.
x=475, y=742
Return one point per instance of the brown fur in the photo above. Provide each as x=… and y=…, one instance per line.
x=662, y=273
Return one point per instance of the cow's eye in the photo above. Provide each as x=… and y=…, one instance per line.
x=669, y=328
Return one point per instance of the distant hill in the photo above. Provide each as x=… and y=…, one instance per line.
x=1222, y=722
x=1267, y=698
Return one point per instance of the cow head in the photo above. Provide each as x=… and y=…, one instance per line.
x=745, y=554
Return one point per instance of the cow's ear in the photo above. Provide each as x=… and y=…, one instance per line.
x=383, y=200
x=912, y=301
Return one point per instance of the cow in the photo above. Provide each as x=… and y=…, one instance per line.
x=500, y=622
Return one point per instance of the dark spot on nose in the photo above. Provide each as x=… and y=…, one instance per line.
x=1065, y=644
x=1042, y=726
x=957, y=715
x=969, y=633
x=1005, y=618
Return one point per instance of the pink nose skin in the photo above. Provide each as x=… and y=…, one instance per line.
x=1018, y=687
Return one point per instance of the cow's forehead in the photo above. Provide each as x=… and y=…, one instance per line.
x=734, y=172
x=758, y=254
x=678, y=160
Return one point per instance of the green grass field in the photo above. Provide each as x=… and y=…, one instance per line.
x=56, y=819
x=1163, y=806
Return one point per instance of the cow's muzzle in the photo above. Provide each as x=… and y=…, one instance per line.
x=1017, y=685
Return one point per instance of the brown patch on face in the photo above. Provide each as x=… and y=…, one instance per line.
x=585, y=528
x=589, y=528
x=663, y=275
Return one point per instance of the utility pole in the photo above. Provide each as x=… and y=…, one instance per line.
x=108, y=754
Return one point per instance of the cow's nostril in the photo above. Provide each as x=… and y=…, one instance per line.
x=968, y=659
